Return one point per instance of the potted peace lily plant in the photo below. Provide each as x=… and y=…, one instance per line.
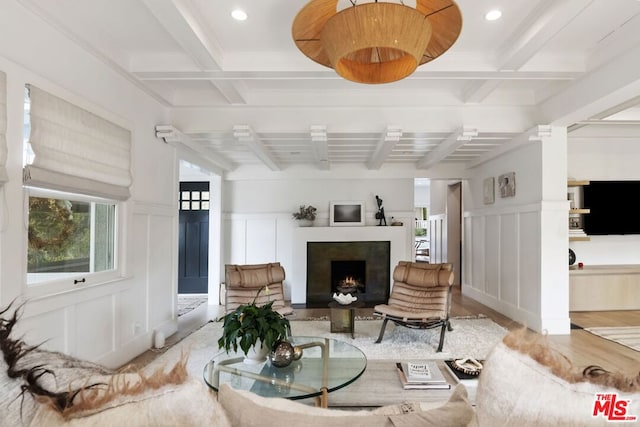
x=253, y=328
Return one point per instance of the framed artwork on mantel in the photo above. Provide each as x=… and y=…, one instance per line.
x=346, y=213
x=488, y=191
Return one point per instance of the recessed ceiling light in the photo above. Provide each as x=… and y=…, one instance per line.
x=492, y=15
x=239, y=15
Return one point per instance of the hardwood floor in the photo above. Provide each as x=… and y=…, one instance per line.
x=581, y=347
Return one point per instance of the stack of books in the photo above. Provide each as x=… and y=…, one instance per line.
x=577, y=232
x=421, y=375
x=575, y=226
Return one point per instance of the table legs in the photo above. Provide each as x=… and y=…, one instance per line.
x=343, y=320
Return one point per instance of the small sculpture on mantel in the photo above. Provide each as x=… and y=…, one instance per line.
x=380, y=214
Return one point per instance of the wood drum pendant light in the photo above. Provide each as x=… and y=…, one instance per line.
x=378, y=42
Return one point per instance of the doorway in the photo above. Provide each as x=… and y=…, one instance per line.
x=193, y=238
x=454, y=229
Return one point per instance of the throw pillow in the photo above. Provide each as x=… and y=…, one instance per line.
x=537, y=386
x=248, y=409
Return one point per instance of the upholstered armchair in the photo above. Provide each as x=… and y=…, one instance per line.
x=420, y=298
x=244, y=282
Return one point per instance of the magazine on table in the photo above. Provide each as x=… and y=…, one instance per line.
x=426, y=375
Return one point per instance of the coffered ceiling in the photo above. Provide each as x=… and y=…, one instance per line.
x=241, y=95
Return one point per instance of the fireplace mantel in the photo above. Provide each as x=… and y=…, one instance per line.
x=401, y=245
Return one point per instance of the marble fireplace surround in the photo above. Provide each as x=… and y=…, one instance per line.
x=400, y=250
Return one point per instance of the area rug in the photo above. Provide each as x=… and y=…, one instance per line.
x=469, y=338
x=628, y=336
x=187, y=303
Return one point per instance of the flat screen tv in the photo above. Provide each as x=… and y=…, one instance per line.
x=609, y=203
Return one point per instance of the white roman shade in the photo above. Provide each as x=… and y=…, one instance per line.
x=75, y=150
x=3, y=128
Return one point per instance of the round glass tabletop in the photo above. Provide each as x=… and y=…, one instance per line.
x=325, y=363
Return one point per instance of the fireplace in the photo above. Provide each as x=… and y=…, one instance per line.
x=360, y=268
x=399, y=241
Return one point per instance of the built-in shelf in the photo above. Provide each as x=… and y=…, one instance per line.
x=604, y=287
x=577, y=183
x=577, y=211
x=579, y=238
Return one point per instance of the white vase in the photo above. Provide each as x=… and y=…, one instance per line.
x=256, y=354
x=305, y=222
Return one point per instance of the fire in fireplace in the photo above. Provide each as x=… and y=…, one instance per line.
x=348, y=277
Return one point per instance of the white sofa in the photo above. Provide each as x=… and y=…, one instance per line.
x=523, y=384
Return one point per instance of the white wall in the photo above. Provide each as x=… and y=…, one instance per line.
x=514, y=250
x=111, y=322
x=422, y=193
x=603, y=160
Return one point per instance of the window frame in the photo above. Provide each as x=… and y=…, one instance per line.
x=73, y=281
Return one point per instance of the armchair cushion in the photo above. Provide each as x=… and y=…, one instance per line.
x=423, y=275
x=254, y=276
x=420, y=291
x=245, y=282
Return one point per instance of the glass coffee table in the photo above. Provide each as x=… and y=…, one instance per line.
x=326, y=365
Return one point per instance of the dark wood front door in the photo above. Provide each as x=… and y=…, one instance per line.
x=193, y=256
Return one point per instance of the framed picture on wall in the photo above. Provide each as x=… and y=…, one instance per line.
x=507, y=183
x=488, y=194
x=346, y=213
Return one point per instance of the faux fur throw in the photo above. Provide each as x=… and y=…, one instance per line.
x=72, y=386
x=537, y=347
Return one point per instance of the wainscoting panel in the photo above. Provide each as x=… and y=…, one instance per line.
x=261, y=240
x=235, y=237
x=493, y=228
x=161, y=275
x=47, y=328
x=501, y=260
x=256, y=239
x=86, y=324
x=509, y=258
x=438, y=247
x=475, y=252
x=529, y=272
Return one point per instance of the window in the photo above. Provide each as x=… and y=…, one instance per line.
x=69, y=235
x=76, y=175
x=194, y=196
